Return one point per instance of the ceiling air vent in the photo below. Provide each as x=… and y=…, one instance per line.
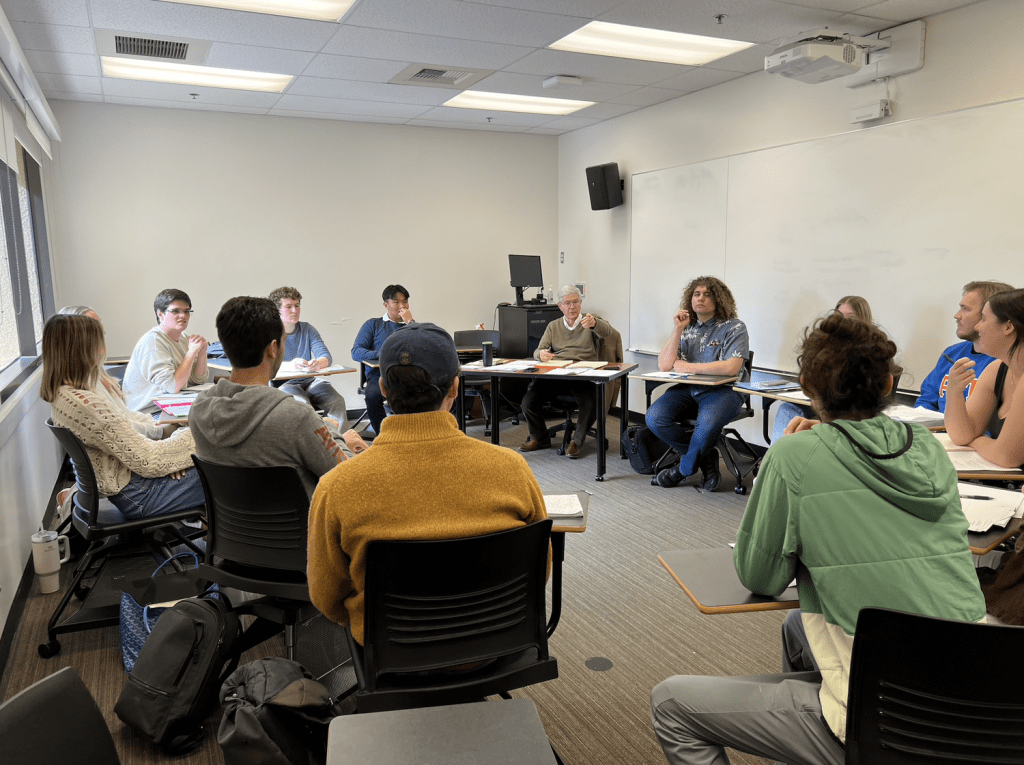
x=439, y=76
x=165, y=48
x=142, y=46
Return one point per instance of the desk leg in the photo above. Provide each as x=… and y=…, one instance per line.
x=495, y=423
x=557, y=557
x=766, y=404
x=460, y=404
x=623, y=412
x=602, y=432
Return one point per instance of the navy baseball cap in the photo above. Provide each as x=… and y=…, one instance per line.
x=422, y=345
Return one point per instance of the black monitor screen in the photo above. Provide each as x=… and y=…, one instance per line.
x=524, y=271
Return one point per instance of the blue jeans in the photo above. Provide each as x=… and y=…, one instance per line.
x=788, y=412
x=374, y=399
x=320, y=394
x=143, y=497
x=711, y=408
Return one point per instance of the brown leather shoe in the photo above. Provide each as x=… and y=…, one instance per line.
x=535, y=444
x=574, y=451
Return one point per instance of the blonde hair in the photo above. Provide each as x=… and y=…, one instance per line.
x=859, y=306
x=71, y=346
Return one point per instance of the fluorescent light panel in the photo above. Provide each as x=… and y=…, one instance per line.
x=187, y=74
x=318, y=10
x=603, y=39
x=505, y=102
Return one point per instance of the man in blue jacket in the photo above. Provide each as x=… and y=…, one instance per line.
x=371, y=339
x=933, y=389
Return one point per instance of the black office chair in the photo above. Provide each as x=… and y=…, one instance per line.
x=472, y=339
x=730, y=449
x=56, y=720
x=108, y=534
x=256, y=542
x=926, y=690
x=431, y=605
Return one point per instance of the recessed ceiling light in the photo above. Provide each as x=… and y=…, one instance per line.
x=187, y=74
x=318, y=10
x=505, y=102
x=603, y=39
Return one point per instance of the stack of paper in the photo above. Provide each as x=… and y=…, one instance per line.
x=986, y=507
x=965, y=459
x=917, y=414
x=563, y=506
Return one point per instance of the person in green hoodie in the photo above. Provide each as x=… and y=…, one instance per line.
x=862, y=511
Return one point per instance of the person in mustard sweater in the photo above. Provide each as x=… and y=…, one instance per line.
x=423, y=478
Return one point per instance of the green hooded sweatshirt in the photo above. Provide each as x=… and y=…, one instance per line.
x=878, y=524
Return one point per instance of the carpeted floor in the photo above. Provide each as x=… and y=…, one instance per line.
x=619, y=604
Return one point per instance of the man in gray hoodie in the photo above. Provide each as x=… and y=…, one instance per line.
x=243, y=421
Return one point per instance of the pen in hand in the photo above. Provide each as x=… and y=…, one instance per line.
x=947, y=357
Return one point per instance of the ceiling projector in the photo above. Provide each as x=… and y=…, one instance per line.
x=815, y=61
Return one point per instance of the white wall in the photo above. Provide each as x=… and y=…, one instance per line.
x=972, y=57
x=224, y=204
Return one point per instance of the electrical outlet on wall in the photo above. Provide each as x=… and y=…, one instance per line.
x=582, y=287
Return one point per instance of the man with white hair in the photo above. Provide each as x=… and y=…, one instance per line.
x=575, y=336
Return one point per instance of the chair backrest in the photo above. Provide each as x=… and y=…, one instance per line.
x=434, y=604
x=56, y=720
x=258, y=516
x=472, y=338
x=87, y=498
x=748, y=367
x=926, y=690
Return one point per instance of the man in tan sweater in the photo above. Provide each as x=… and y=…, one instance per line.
x=422, y=479
x=575, y=336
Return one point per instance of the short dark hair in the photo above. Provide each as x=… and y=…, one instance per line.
x=986, y=289
x=845, y=366
x=245, y=327
x=411, y=392
x=1009, y=306
x=165, y=298
x=284, y=293
x=393, y=289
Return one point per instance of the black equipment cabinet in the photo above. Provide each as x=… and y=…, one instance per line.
x=520, y=328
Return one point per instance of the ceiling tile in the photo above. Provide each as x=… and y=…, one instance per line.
x=163, y=91
x=69, y=83
x=749, y=20
x=369, y=91
x=55, y=37
x=857, y=24
x=56, y=95
x=347, y=106
x=646, y=97
x=606, y=111
x=194, y=106
x=72, y=13
x=531, y=85
x=749, y=60
x=587, y=9
x=68, y=63
x=908, y=10
x=843, y=6
x=624, y=71
x=480, y=116
x=337, y=117
x=464, y=21
x=546, y=131
x=492, y=128
x=261, y=29
x=698, y=79
x=254, y=59
x=570, y=122
x=353, y=68
x=424, y=49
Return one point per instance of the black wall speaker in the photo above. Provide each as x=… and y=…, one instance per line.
x=605, y=186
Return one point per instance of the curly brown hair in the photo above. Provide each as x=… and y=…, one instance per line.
x=284, y=293
x=846, y=366
x=725, y=303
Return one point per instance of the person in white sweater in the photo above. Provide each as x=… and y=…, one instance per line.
x=141, y=477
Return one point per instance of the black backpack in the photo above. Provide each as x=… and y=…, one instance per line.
x=181, y=667
x=643, y=448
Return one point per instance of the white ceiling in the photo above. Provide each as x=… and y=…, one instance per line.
x=342, y=70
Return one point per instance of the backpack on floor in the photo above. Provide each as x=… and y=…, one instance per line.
x=180, y=668
x=643, y=448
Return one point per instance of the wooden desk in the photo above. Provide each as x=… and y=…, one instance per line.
x=559, y=528
x=709, y=579
x=482, y=733
x=654, y=379
x=986, y=541
x=495, y=374
x=223, y=365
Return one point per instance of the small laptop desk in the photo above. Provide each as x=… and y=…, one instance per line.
x=561, y=526
x=482, y=733
x=709, y=579
x=494, y=374
x=223, y=365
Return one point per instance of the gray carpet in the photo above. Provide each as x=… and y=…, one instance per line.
x=619, y=604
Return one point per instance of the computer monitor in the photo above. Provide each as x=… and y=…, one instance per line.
x=524, y=271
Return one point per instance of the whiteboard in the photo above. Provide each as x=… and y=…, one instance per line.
x=903, y=215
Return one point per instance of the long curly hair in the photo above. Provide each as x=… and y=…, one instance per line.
x=725, y=303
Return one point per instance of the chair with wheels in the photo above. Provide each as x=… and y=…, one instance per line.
x=736, y=452
x=56, y=720
x=109, y=534
x=925, y=690
x=434, y=605
x=258, y=522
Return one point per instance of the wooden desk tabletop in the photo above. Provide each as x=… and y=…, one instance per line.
x=620, y=370
x=789, y=396
x=986, y=541
x=223, y=365
x=695, y=379
x=709, y=579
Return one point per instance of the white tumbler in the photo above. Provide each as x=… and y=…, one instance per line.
x=49, y=550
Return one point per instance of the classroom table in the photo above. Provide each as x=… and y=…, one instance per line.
x=223, y=365
x=709, y=579
x=655, y=379
x=559, y=528
x=494, y=374
x=983, y=542
x=507, y=732
x=768, y=397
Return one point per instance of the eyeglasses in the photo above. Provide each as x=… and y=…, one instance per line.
x=179, y=311
x=572, y=302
